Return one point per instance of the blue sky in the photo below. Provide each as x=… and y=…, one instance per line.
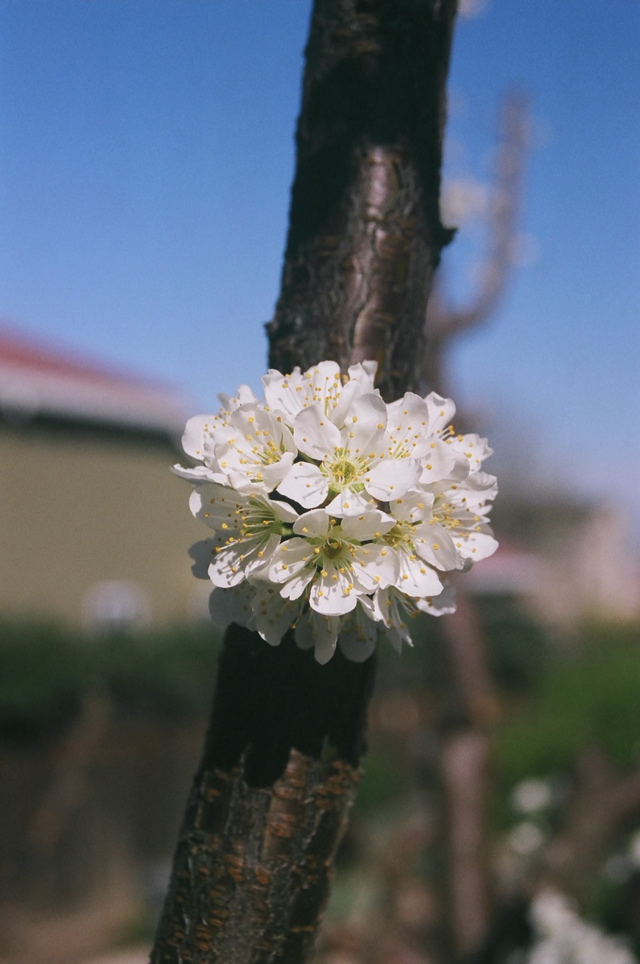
x=146, y=157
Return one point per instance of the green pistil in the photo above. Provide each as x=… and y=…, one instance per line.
x=333, y=550
x=343, y=472
x=400, y=535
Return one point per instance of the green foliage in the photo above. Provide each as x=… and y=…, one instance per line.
x=42, y=677
x=384, y=780
x=517, y=648
x=589, y=696
x=171, y=671
x=517, y=645
x=45, y=670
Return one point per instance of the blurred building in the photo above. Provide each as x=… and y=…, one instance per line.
x=95, y=529
x=567, y=560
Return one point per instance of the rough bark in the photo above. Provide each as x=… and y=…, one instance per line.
x=268, y=805
x=281, y=760
x=365, y=234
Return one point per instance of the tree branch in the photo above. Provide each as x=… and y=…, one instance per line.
x=445, y=321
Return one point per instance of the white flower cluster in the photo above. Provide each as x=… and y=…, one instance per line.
x=564, y=938
x=333, y=511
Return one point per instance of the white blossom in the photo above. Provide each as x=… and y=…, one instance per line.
x=351, y=467
x=333, y=562
x=248, y=530
x=564, y=938
x=333, y=513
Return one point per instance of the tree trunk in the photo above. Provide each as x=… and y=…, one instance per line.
x=365, y=233
x=281, y=761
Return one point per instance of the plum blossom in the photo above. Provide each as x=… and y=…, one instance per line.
x=335, y=514
x=248, y=530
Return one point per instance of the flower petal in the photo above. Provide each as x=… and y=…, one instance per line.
x=440, y=605
x=435, y=545
x=332, y=594
x=196, y=431
x=415, y=578
x=476, y=545
x=289, y=559
x=199, y=473
x=361, y=382
x=374, y=567
x=319, y=632
x=443, y=461
x=202, y=554
x=314, y=524
x=408, y=425
x=227, y=567
x=232, y=606
x=368, y=525
x=294, y=587
x=325, y=631
x=441, y=411
x=273, y=616
x=349, y=503
x=305, y=484
x=358, y=636
x=364, y=425
x=315, y=434
x=392, y=478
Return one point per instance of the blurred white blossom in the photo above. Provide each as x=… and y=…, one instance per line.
x=531, y=796
x=564, y=938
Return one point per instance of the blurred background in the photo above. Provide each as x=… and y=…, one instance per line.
x=146, y=158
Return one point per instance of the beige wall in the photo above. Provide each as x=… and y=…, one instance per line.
x=77, y=511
